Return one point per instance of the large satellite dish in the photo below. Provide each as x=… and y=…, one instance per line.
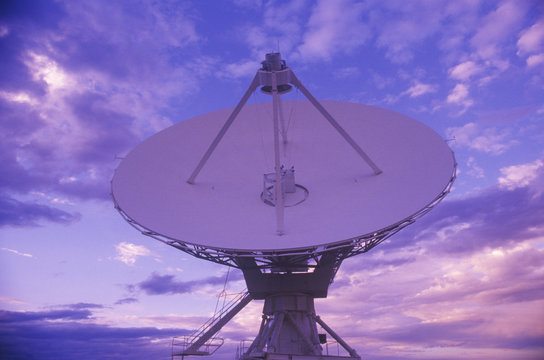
x=283, y=195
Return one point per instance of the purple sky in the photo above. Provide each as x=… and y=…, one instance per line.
x=82, y=83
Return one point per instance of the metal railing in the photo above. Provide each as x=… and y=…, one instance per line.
x=180, y=345
x=203, y=341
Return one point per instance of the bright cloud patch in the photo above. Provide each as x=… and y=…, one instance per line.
x=420, y=89
x=128, y=253
x=465, y=70
x=489, y=140
x=460, y=96
x=531, y=44
x=19, y=97
x=535, y=60
x=532, y=39
x=517, y=176
x=48, y=71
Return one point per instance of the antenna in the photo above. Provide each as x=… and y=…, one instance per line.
x=333, y=209
x=274, y=77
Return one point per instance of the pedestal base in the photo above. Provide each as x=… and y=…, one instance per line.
x=289, y=331
x=267, y=356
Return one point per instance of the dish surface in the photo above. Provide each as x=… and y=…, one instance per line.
x=223, y=209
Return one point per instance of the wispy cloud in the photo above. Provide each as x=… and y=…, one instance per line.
x=17, y=252
x=495, y=30
x=399, y=30
x=474, y=169
x=18, y=213
x=460, y=96
x=465, y=70
x=269, y=28
x=531, y=40
x=419, y=89
x=488, y=140
x=326, y=37
x=8, y=300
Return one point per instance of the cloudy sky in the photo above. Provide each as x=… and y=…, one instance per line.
x=83, y=82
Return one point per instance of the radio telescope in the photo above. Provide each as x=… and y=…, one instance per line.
x=283, y=196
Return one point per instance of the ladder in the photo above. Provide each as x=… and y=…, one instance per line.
x=202, y=342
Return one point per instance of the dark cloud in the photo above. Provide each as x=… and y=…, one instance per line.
x=108, y=132
x=17, y=213
x=71, y=75
x=27, y=22
x=34, y=335
x=79, y=306
x=495, y=217
x=35, y=154
x=166, y=284
x=128, y=300
x=7, y=317
x=17, y=122
x=34, y=163
x=15, y=75
x=39, y=164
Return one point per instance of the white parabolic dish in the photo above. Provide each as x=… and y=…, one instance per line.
x=223, y=209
